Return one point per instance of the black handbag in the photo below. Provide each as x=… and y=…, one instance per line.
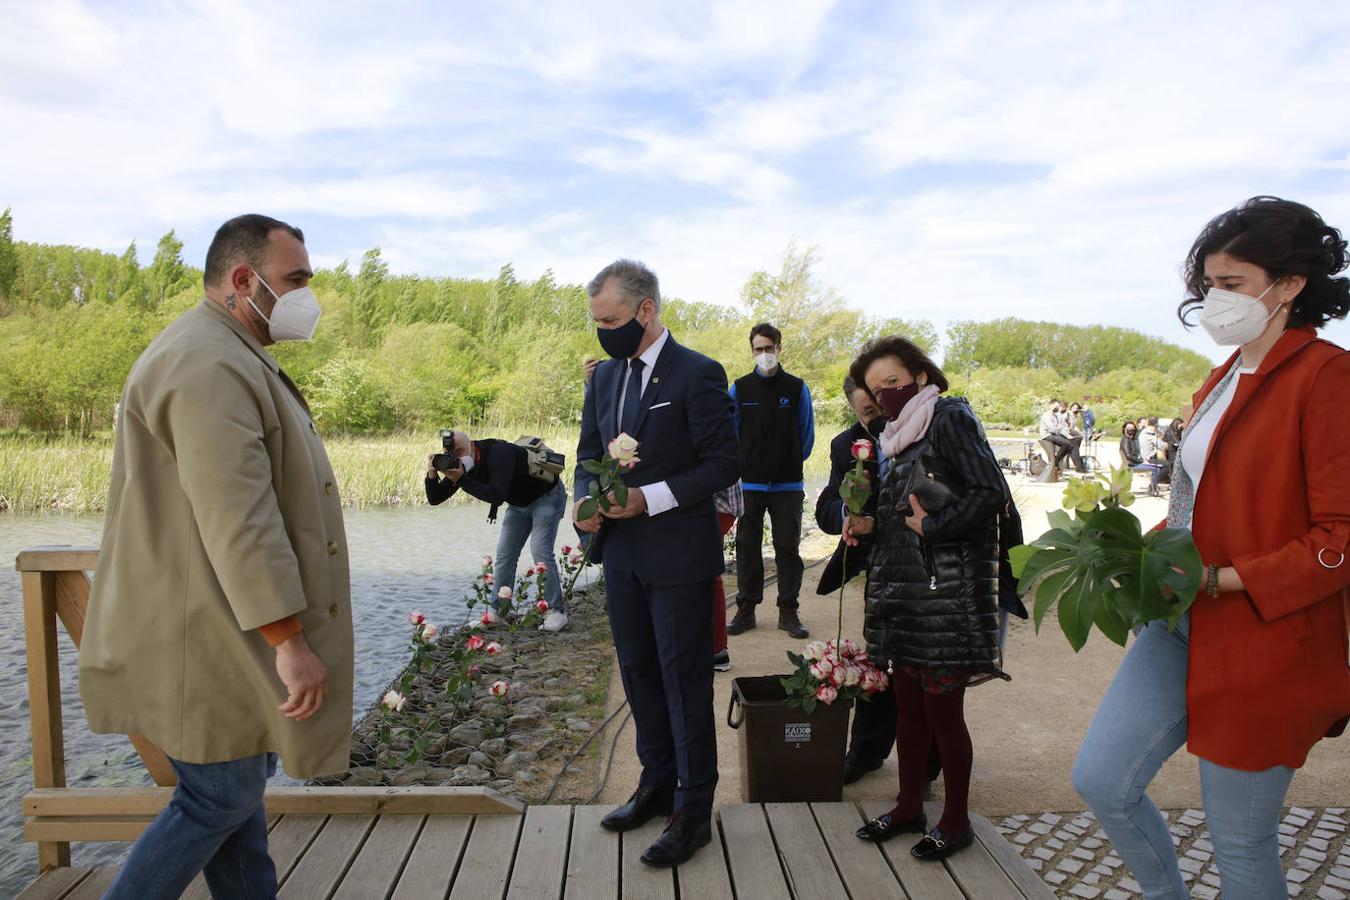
x=928, y=481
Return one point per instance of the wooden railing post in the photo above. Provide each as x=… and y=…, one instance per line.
x=44, y=698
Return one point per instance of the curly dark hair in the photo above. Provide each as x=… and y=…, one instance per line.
x=910, y=354
x=1283, y=238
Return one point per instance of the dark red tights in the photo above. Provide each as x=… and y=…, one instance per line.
x=920, y=719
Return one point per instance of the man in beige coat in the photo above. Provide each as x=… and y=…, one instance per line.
x=220, y=620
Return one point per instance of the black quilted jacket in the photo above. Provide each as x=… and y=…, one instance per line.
x=933, y=601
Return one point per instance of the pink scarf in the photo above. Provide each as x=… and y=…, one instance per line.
x=912, y=423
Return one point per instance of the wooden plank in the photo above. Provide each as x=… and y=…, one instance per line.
x=322, y=866
x=706, y=876
x=94, y=887
x=860, y=863
x=84, y=828
x=435, y=856
x=541, y=853
x=639, y=880
x=919, y=879
x=55, y=884
x=44, y=698
x=378, y=867
x=72, y=603
x=974, y=870
x=488, y=857
x=802, y=850
x=281, y=801
x=755, y=869
x=59, y=558
x=289, y=841
x=593, y=861
x=1010, y=861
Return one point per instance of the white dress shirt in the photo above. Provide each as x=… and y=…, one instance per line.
x=658, y=495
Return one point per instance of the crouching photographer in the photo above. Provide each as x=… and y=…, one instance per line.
x=524, y=476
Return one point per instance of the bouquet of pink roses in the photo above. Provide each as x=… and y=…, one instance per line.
x=829, y=672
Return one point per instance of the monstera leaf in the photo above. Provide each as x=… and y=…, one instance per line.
x=1097, y=567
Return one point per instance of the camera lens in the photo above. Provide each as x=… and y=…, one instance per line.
x=444, y=462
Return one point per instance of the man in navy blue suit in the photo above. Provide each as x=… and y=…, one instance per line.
x=662, y=550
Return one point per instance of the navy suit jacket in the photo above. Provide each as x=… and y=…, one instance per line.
x=687, y=438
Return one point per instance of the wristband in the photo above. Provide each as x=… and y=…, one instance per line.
x=1212, y=583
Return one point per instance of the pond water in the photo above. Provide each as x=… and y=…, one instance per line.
x=420, y=558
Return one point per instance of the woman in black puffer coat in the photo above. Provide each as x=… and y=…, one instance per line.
x=934, y=587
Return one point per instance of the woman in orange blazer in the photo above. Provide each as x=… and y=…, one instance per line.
x=1258, y=672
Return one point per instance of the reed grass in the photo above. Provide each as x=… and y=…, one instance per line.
x=71, y=475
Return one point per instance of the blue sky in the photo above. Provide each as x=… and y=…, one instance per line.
x=949, y=161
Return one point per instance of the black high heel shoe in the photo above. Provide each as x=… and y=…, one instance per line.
x=883, y=828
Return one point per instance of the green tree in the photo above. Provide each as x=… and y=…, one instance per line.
x=167, y=273
x=9, y=260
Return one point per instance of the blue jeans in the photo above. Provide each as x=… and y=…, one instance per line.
x=215, y=824
x=1140, y=723
x=538, y=523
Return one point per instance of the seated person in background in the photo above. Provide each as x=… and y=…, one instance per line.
x=1131, y=455
x=498, y=472
x=1055, y=430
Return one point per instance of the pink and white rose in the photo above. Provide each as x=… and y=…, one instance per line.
x=489, y=618
x=499, y=689
x=815, y=650
x=429, y=631
x=542, y=606
x=827, y=694
x=492, y=648
x=416, y=618
x=394, y=701
x=623, y=450
x=475, y=642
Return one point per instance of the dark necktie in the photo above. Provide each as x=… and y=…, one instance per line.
x=632, y=398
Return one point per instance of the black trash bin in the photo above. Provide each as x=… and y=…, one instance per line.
x=786, y=755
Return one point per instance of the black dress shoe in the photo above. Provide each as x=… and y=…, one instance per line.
x=682, y=837
x=789, y=622
x=744, y=620
x=856, y=767
x=883, y=828
x=645, y=805
x=936, y=845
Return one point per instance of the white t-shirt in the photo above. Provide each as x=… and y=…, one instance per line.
x=1200, y=432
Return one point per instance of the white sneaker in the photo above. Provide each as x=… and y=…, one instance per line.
x=555, y=621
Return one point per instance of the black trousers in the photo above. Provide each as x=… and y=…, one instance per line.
x=873, y=726
x=1067, y=447
x=665, y=662
x=785, y=520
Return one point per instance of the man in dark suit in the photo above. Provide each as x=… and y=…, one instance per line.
x=662, y=550
x=874, y=720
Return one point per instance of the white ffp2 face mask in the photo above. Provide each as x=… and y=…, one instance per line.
x=295, y=315
x=1231, y=318
x=766, y=362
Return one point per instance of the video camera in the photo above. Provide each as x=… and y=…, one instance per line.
x=447, y=461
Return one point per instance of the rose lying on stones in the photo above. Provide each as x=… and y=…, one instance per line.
x=475, y=642
x=499, y=689
x=394, y=701
x=429, y=631
x=492, y=648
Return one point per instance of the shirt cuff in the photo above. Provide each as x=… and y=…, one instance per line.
x=281, y=630
x=659, y=498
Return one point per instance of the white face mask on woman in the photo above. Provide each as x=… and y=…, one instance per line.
x=295, y=315
x=1232, y=318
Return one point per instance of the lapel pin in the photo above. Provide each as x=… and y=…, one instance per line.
x=655, y=380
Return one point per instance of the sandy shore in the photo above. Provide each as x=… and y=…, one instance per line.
x=1026, y=732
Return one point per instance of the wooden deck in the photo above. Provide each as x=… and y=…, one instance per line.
x=769, y=851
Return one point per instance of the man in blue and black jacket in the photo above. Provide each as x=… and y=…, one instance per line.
x=777, y=429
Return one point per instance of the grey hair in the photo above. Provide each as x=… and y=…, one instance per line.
x=636, y=282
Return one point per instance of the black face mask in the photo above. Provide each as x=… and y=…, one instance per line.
x=622, y=342
x=876, y=427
